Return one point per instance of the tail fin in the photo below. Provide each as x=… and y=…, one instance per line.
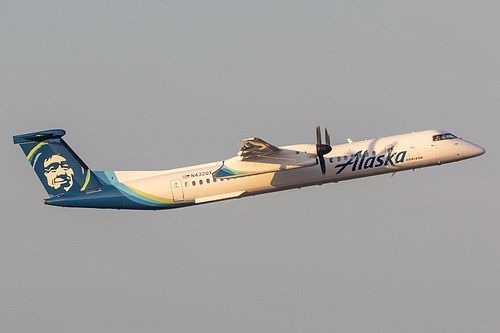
x=59, y=168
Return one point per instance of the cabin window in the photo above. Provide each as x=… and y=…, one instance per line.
x=366, y=153
x=345, y=157
x=339, y=159
x=215, y=180
x=208, y=181
x=201, y=181
x=186, y=184
x=194, y=183
x=331, y=159
x=373, y=153
x=446, y=136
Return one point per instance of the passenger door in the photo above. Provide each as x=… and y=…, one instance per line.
x=177, y=193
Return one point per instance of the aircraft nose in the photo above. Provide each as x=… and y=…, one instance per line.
x=475, y=150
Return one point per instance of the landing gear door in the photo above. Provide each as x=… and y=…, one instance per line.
x=177, y=193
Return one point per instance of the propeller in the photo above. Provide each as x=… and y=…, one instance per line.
x=322, y=149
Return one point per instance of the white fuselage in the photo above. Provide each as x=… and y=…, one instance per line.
x=391, y=154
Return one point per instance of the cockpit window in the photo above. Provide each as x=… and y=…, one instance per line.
x=445, y=136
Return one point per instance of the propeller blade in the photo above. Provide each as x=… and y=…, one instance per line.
x=322, y=164
x=322, y=149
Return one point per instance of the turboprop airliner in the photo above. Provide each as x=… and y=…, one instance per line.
x=259, y=167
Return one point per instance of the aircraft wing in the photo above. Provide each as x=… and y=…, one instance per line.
x=258, y=156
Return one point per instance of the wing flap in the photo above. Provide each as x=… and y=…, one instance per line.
x=256, y=147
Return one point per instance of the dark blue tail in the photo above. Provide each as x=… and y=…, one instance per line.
x=60, y=170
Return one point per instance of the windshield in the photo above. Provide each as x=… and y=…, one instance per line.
x=445, y=136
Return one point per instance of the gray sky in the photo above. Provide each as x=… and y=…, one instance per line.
x=160, y=84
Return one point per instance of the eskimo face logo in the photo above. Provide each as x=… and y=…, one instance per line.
x=58, y=173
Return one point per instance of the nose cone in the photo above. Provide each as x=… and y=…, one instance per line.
x=474, y=150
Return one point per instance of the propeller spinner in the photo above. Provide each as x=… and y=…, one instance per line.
x=322, y=149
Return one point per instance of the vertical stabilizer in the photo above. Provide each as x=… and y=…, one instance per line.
x=57, y=166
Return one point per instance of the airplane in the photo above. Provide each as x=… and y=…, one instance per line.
x=259, y=167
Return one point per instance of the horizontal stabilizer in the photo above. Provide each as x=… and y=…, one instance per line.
x=39, y=136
